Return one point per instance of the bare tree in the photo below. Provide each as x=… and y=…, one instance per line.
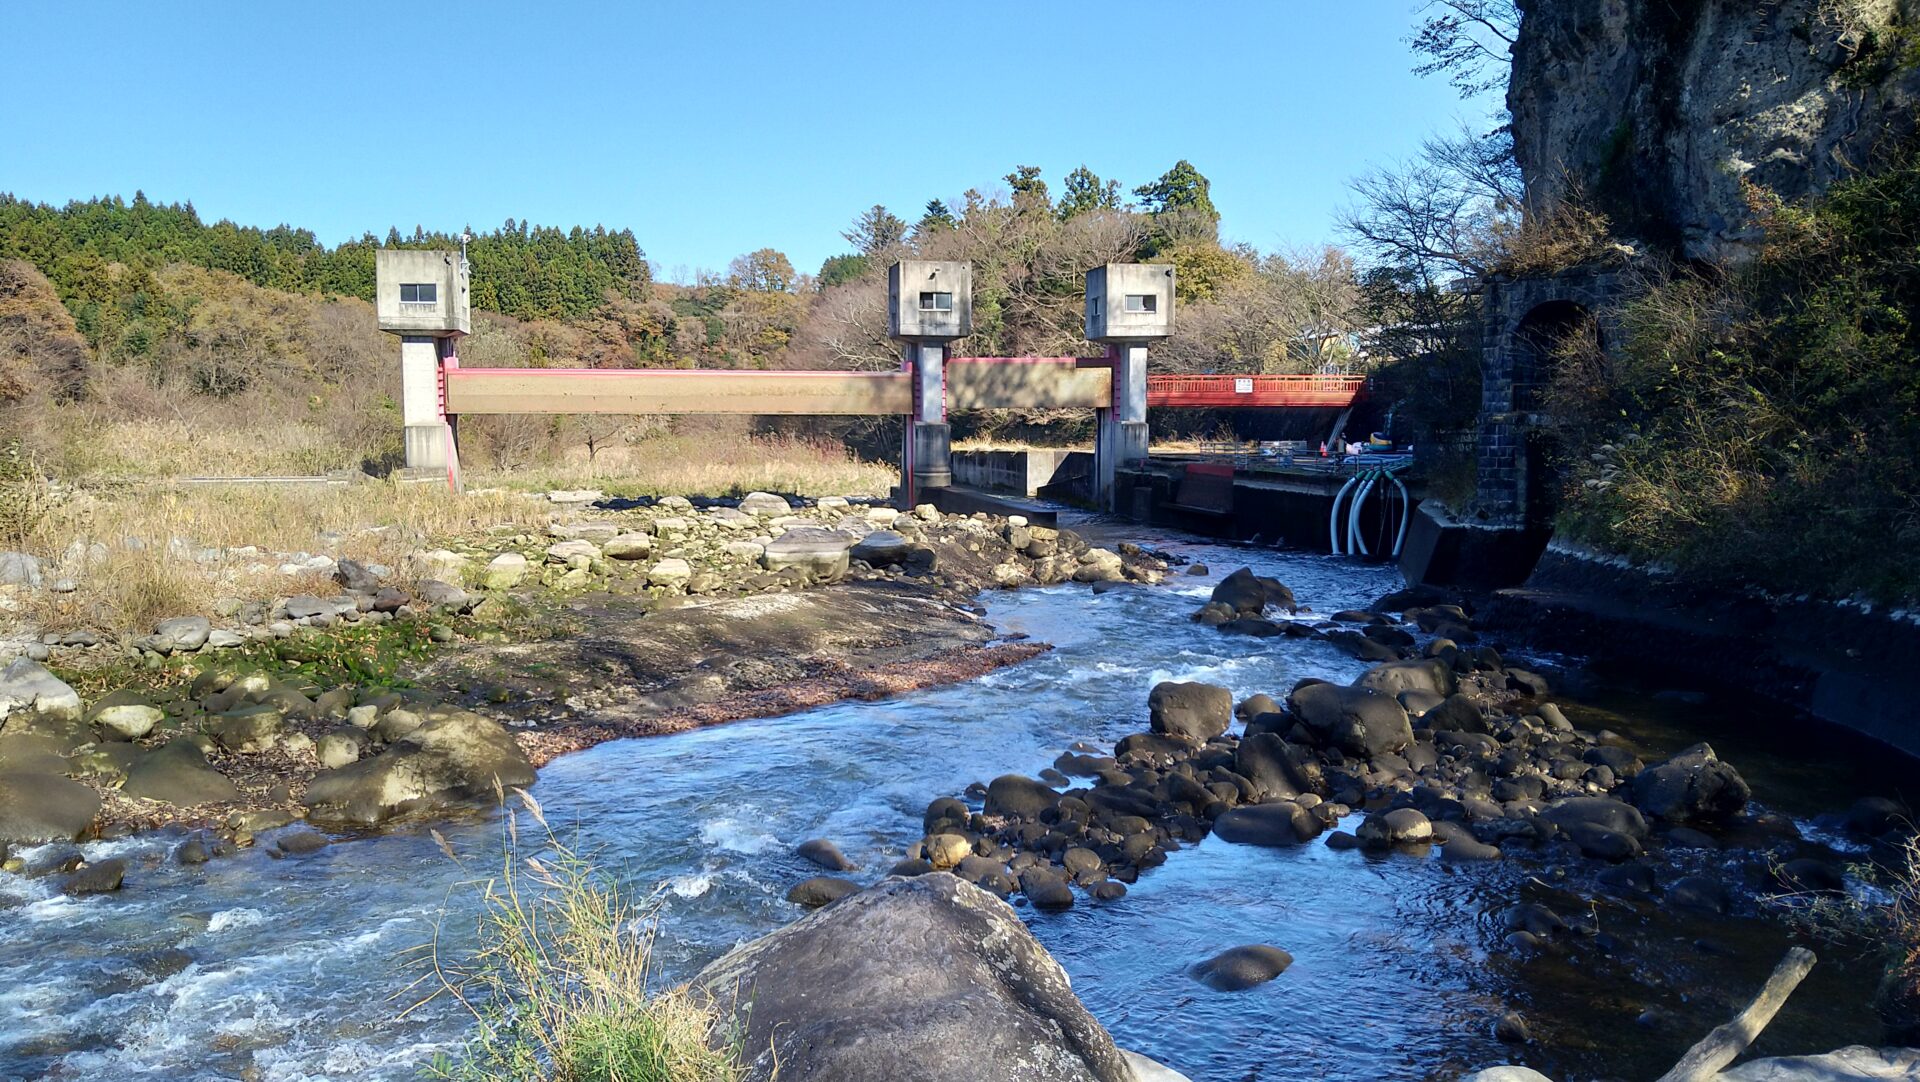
x=1469, y=41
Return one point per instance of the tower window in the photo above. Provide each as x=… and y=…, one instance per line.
x=1143, y=302
x=419, y=293
x=936, y=302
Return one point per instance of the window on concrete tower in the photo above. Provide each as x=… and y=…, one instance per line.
x=1142, y=302
x=936, y=302
x=419, y=293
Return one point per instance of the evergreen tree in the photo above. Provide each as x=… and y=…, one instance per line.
x=1085, y=191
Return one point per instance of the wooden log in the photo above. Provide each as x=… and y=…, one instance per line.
x=1717, y=1049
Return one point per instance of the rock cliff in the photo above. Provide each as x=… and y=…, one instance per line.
x=1661, y=109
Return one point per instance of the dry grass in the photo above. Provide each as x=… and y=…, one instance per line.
x=138, y=575
x=713, y=463
x=560, y=987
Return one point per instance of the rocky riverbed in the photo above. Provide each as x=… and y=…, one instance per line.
x=640, y=621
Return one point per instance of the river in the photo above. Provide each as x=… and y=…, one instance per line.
x=283, y=970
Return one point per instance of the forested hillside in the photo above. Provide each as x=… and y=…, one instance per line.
x=149, y=304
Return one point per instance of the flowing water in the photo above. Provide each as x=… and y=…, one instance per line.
x=253, y=968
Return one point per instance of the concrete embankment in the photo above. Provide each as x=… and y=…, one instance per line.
x=1843, y=662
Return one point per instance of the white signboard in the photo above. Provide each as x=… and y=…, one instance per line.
x=1243, y=385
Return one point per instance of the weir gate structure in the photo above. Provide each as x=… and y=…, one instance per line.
x=422, y=296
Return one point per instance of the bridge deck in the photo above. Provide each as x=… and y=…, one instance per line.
x=1324, y=392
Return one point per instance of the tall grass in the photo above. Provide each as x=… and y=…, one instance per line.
x=712, y=463
x=560, y=987
x=138, y=575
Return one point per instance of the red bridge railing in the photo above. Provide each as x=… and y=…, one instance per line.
x=1254, y=391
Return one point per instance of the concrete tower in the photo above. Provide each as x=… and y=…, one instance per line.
x=929, y=304
x=1128, y=305
x=422, y=297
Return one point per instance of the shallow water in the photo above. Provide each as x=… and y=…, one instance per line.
x=282, y=970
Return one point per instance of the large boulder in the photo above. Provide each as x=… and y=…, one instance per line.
x=36, y=808
x=456, y=756
x=1198, y=712
x=1692, y=787
x=822, y=554
x=178, y=774
x=1248, y=594
x=28, y=691
x=928, y=977
x=1358, y=721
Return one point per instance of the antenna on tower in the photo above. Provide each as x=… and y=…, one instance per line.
x=466, y=234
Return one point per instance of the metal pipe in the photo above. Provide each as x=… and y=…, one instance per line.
x=1357, y=545
x=1333, y=518
x=1406, y=513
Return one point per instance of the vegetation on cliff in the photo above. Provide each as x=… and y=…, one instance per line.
x=1760, y=424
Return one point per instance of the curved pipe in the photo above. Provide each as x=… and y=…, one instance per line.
x=1357, y=545
x=1333, y=518
x=1406, y=513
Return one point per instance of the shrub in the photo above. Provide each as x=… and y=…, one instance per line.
x=1761, y=425
x=560, y=987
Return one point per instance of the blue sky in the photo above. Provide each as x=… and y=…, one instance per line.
x=710, y=129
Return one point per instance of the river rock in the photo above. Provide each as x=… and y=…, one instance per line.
x=1017, y=797
x=1273, y=767
x=37, y=808
x=822, y=554
x=882, y=548
x=1358, y=721
x=826, y=854
x=1046, y=889
x=1241, y=968
x=1876, y=815
x=100, y=877
x=1394, y=677
x=178, y=774
x=124, y=715
x=821, y=890
x=566, y=552
x=340, y=747
x=181, y=634
x=504, y=571
x=1699, y=894
x=1691, y=787
x=248, y=729
x=672, y=571
x=1604, y=812
x=765, y=503
x=28, y=691
x=1506, y=1074
x=628, y=546
x=922, y=978
x=947, y=850
x=20, y=569
x=457, y=755
x=1198, y=712
x=1276, y=825
x=1249, y=595
x=1401, y=826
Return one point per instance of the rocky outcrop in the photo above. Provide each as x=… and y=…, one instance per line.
x=926, y=977
x=1663, y=112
